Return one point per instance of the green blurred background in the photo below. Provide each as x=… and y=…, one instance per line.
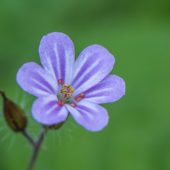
x=138, y=34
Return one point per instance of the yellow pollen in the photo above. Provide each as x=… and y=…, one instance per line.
x=67, y=91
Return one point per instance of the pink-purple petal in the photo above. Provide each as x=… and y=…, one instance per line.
x=93, y=65
x=46, y=111
x=35, y=80
x=91, y=116
x=111, y=89
x=56, y=52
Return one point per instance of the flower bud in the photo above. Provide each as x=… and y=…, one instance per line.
x=13, y=114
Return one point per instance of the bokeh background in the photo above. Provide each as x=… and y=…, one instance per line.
x=138, y=34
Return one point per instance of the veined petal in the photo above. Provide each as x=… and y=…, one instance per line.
x=35, y=80
x=93, y=65
x=56, y=52
x=91, y=116
x=47, y=111
x=111, y=89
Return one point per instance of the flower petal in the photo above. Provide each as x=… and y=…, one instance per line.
x=111, y=89
x=56, y=52
x=93, y=65
x=46, y=110
x=35, y=80
x=91, y=116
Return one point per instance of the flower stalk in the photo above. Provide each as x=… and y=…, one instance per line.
x=29, y=138
x=36, y=148
x=17, y=121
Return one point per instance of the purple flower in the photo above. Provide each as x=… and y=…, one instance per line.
x=63, y=85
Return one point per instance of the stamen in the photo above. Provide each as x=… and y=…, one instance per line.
x=61, y=81
x=60, y=103
x=80, y=97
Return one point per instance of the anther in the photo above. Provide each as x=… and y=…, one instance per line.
x=79, y=97
x=61, y=81
x=60, y=103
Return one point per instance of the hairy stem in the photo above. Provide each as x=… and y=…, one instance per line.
x=2, y=94
x=36, y=149
x=29, y=138
x=36, y=144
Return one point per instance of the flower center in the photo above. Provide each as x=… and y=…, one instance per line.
x=67, y=91
x=65, y=94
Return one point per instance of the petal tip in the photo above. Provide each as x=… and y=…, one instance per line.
x=104, y=123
